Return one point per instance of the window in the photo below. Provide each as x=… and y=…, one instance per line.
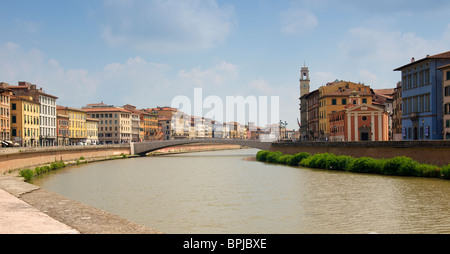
x=408, y=82
x=426, y=103
x=415, y=104
x=421, y=103
x=344, y=101
x=421, y=78
x=427, y=77
x=13, y=106
x=447, y=109
x=13, y=119
x=447, y=75
x=364, y=101
x=414, y=81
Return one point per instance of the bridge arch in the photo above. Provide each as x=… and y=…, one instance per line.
x=142, y=148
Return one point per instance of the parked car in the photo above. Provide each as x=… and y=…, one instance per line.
x=7, y=143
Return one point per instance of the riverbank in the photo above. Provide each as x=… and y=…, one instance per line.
x=34, y=210
x=29, y=209
x=397, y=166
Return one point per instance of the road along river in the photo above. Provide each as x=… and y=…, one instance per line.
x=230, y=192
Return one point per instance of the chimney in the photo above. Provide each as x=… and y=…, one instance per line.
x=33, y=87
x=412, y=60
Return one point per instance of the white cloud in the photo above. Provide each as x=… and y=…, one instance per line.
x=136, y=81
x=389, y=46
x=169, y=25
x=298, y=21
x=320, y=78
x=216, y=76
x=367, y=77
x=30, y=27
x=260, y=86
x=136, y=78
x=381, y=50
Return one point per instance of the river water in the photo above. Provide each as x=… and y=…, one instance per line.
x=230, y=192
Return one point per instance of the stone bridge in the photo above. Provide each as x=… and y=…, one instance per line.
x=143, y=148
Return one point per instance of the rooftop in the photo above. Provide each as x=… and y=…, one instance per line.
x=110, y=109
x=31, y=87
x=444, y=67
x=445, y=55
x=69, y=108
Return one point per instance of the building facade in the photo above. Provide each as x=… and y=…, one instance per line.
x=25, y=121
x=397, y=113
x=91, y=131
x=384, y=98
x=313, y=115
x=62, y=129
x=5, y=110
x=77, y=124
x=165, y=124
x=336, y=96
x=422, y=97
x=114, y=123
x=359, y=123
x=48, y=135
x=446, y=100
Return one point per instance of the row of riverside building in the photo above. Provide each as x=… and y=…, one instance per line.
x=417, y=108
x=31, y=117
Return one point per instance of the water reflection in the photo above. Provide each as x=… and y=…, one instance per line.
x=225, y=192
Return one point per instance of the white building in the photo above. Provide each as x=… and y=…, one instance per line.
x=48, y=119
x=47, y=115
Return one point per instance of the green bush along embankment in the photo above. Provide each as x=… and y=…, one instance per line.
x=397, y=166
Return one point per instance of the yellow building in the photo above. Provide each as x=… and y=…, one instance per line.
x=77, y=124
x=336, y=96
x=25, y=120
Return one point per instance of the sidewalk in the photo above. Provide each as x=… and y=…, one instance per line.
x=18, y=217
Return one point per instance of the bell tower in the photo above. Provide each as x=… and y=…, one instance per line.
x=304, y=81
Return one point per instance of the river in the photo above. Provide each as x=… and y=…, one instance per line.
x=230, y=192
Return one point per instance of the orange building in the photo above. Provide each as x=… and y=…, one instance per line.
x=336, y=96
x=148, y=123
x=62, y=129
x=5, y=108
x=359, y=123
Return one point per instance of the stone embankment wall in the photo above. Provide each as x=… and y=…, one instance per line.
x=20, y=158
x=431, y=152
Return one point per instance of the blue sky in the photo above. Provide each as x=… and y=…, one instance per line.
x=146, y=52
